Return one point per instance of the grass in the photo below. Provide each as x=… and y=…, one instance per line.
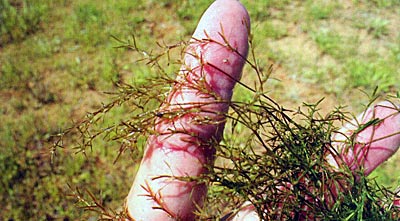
x=371, y=74
x=58, y=58
x=21, y=18
x=316, y=10
x=329, y=42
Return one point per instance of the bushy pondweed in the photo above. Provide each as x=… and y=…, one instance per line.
x=273, y=157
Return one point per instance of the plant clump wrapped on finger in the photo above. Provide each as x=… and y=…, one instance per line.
x=191, y=119
x=360, y=146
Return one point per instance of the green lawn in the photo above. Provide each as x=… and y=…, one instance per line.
x=59, y=61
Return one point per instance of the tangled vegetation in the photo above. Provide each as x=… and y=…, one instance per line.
x=266, y=147
x=57, y=58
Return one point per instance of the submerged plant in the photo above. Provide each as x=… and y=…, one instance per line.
x=272, y=163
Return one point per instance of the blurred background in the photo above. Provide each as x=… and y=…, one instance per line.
x=58, y=62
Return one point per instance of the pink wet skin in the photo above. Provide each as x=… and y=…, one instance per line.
x=181, y=147
x=374, y=144
x=246, y=213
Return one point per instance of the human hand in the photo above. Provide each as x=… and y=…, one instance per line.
x=183, y=144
